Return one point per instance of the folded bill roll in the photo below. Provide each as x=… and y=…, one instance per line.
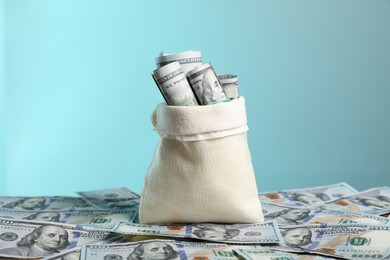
x=174, y=86
x=187, y=59
x=229, y=84
x=204, y=82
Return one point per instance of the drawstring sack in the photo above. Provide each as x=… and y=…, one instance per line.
x=201, y=170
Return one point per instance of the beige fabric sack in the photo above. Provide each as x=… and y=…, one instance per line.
x=201, y=170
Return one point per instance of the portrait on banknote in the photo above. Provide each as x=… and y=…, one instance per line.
x=309, y=198
x=297, y=237
x=208, y=83
x=154, y=250
x=373, y=201
x=50, y=216
x=117, y=203
x=42, y=241
x=377, y=201
x=215, y=233
x=26, y=204
x=288, y=216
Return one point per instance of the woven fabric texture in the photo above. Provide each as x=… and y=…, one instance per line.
x=206, y=180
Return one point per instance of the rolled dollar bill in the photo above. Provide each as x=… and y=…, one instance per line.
x=229, y=84
x=206, y=85
x=187, y=59
x=174, y=86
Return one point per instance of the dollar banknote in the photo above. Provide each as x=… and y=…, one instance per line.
x=313, y=196
x=101, y=219
x=267, y=232
x=229, y=84
x=266, y=254
x=109, y=199
x=173, y=85
x=163, y=249
x=372, y=201
x=206, y=86
x=30, y=239
x=47, y=203
x=288, y=215
x=353, y=241
x=187, y=59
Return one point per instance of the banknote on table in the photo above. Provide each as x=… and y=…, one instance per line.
x=102, y=219
x=372, y=201
x=267, y=232
x=173, y=85
x=162, y=249
x=288, y=215
x=46, y=203
x=109, y=199
x=309, y=196
x=353, y=241
x=187, y=59
x=264, y=254
x=229, y=84
x=30, y=239
x=206, y=86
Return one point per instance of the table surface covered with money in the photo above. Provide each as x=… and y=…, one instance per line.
x=325, y=222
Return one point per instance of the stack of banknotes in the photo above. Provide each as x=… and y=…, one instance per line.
x=184, y=81
x=325, y=222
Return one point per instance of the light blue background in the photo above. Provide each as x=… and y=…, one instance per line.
x=76, y=92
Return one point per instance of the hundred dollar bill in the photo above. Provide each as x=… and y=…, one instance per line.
x=353, y=241
x=109, y=199
x=75, y=253
x=29, y=239
x=174, y=86
x=204, y=82
x=372, y=201
x=102, y=219
x=264, y=254
x=162, y=249
x=288, y=215
x=47, y=203
x=229, y=84
x=267, y=232
x=309, y=196
x=71, y=254
x=187, y=59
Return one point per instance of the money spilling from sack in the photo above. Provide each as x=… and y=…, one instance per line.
x=324, y=222
x=184, y=81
